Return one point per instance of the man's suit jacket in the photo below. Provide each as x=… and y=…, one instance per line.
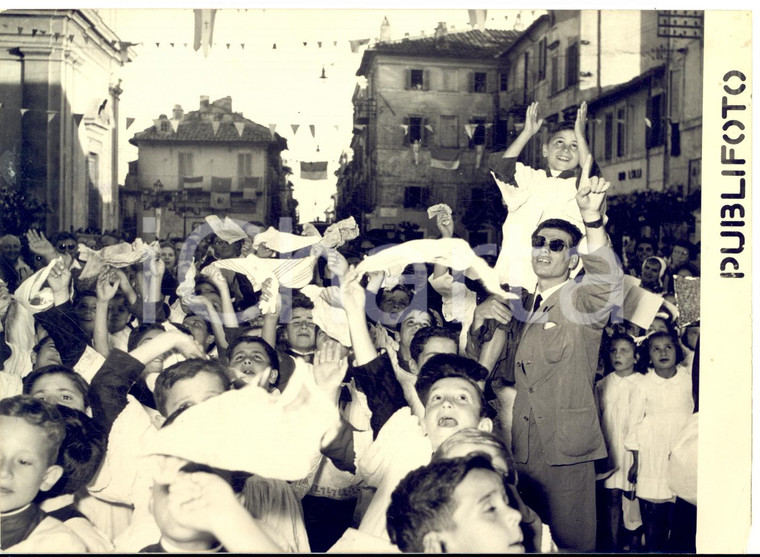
x=556, y=360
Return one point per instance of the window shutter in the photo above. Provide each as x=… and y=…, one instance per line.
x=408, y=79
x=426, y=80
x=424, y=132
x=470, y=82
x=241, y=165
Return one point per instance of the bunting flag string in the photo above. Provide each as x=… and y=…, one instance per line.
x=405, y=127
x=51, y=115
x=23, y=111
x=313, y=130
x=215, y=126
x=240, y=126
x=175, y=124
x=294, y=127
x=130, y=121
x=78, y=119
x=272, y=127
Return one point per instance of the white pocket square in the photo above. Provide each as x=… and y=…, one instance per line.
x=549, y=325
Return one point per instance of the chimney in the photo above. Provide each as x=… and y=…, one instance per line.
x=178, y=113
x=204, y=103
x=224, y=103
x=440, y=31
x=385, y=31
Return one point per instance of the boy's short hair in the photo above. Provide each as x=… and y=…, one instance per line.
x=186, y=369
x=383, y=291
x=442, y=366
x=44, y=340
x=560, y=127
x=274, y=360
x=136, y=334
x=423, y=501
x=38, y=413
x=81, y=453
x=420, y=338
x=83, y=294
x=563, y=225
x=202, y=279
x=478, y=437
x=687, y=245
x=301, y=300
x=79, y=382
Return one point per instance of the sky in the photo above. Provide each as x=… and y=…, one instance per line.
x=280, y=86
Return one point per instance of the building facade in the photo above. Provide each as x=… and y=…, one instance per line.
x=59, y=95
x=422, y=132
x=208, y=161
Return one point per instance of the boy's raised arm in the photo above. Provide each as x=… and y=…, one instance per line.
x=532, y=125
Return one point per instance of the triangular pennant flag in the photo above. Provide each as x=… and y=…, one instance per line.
x=215, y=126
x=71, y=38
x=51, y=115
x=319, y=43
x=274, y=46
x=157, y=123
x=357, y=43
x=55, y=35
x=172, y=45
x=313, y=130
x=1, y=105
x=23, y=111
x=158, y=45
x=130, y=121
x=337, y=127
x=43, y=32
x=34, y=32
x=242, y=46
x=470, y=129
x=175, y=124
x=429, y=128
x=240, y=127
x=335, y=43
x=78, y=119
x=295, y=127
x=305, y=43
x=21, y=29
x=272, y=127
x=405, y=127
x=228, y=46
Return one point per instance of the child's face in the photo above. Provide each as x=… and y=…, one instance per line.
x=56, y=388
x=622, y=355
x=483, y=520
x=658, y=325
x=434, y=345
x=394, y=302
x=170, y=527
x=168, y=256
x=192, y=391
x=48, y=355
x=650, y=272
x=250, y=357
x=198, y=328
x=301, y=331
x=24, y=463
x=207, y=291
x=561, y=151
x=413, y=322
x=679, y=255
x=453, y=404
x=118, y=314
x=644, y=250
x=85, y=312
x=662, y=353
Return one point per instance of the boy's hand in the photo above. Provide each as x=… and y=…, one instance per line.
x=532, y=121
x=633, y=472
x=215, y=276
x=59, y=277
x=591, y=193
x=351, y=292
x=580, y=120
x=329, y=367
x=107, y=285
x=39, y=244
x=267, y=294
x=199, y=500
x=336, y=262
x=185, y=344
x=445, y=225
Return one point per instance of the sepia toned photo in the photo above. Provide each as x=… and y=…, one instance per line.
x=375, y=280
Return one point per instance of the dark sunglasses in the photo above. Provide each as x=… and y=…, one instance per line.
x=554, y=245
x=70, y=247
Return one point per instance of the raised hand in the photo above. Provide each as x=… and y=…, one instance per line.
x=59, y=277
x=445, y=225
x=329, y=367
x=352, y=294
x=336, y=262
x=532, y=121
x=580, y=120
x=591, y=193
x=107, y=285
x=40, y=245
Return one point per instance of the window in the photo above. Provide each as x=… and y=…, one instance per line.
x=655, y=137
x=449, y=132
x=608, y=127
x=503, y=81
x=542, y=59
x=416, y=129
x=185, y=164
x=165, y=126
x=572, y=65
x=479, y=133
x=415, y=197
x=620, y=124
x=554, y=73
x=417, y=79
x=245, y=167
x=479, y=82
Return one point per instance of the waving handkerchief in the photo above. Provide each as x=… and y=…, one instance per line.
x=340, y=232
x=283, y=436
x=284, y=242
x=226, y=229
x=187, y=286
x=291, y=273
x=441, y=208
x=449, y=252
x=118, y=255
x=329, y=317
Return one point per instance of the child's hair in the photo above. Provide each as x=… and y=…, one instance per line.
x=83, y=294
x=478, y=437
x=383, y=291
x=78, y=381
x=644, y=351
x=44, y=340
x=423, y=501
x=442, y=366
x=615, y=337
x=209, y=329
x=202, y=279
x=136, y=335
x=186, y=369
x=564, y=226
x=425, y=334
x=685, y=335
x=38, y=413
x=688, y=266
x=274, y=360
x=81, y=453
x=560, y=127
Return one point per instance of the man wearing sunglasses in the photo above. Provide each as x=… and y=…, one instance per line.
x=555, y=425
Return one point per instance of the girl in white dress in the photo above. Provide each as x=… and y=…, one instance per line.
x=660, y=406
x=614, y=399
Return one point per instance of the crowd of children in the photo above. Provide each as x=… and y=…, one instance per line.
x=251, y=390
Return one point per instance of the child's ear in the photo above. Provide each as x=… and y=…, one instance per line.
x=413, y=367
x=157, y=420
x=545, y=150
x=33, y=356
x=433, y=542
x=485, y=424
x=52, y=475
x=574, y=260
x=210, y=339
